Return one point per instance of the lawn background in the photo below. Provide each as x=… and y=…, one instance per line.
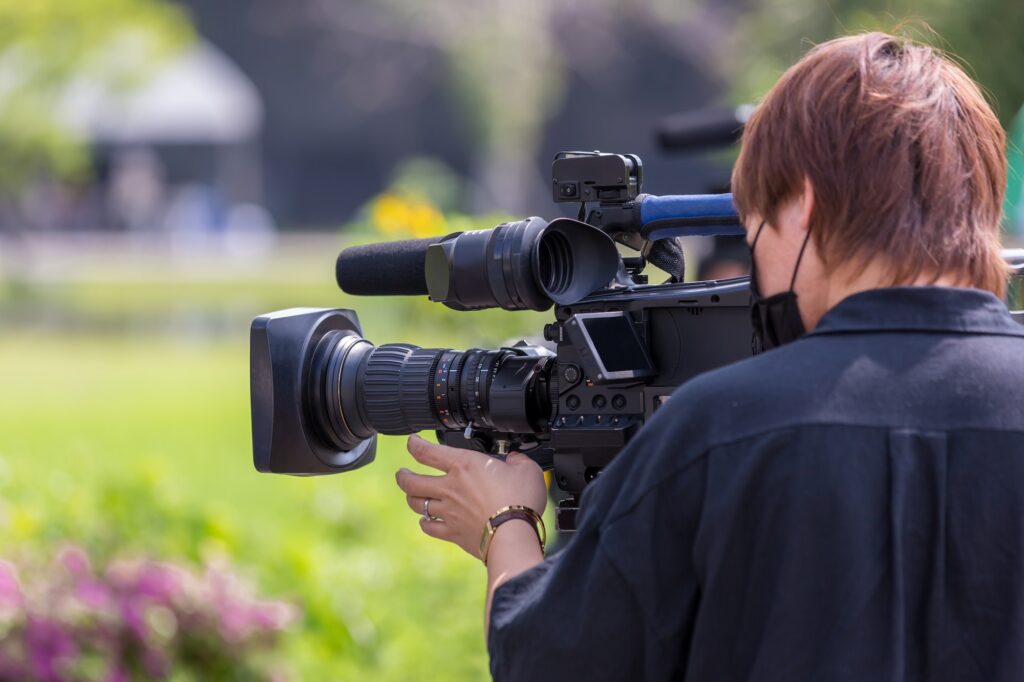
x=124, y=428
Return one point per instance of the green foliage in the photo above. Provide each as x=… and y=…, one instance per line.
x=140, y=444
x=45, y=45
x=984, y=35
x=1014, y=206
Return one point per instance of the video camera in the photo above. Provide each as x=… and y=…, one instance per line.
x=617, y=348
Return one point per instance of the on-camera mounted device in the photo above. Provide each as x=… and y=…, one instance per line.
x=616, y=349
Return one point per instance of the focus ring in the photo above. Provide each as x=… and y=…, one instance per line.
x=396, y=388
x=415, y=390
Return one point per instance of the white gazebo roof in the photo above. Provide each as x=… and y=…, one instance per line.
x=197, y=97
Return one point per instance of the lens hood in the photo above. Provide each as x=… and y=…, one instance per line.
x=286, y=436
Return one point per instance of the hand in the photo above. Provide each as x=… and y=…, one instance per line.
x=474, y=486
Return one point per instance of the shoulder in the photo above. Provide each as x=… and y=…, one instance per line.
x=725, y=404
x=899, y=378
x=753, y=395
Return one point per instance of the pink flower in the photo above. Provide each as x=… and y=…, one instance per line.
x=140, y=617
x=76, y=561
x=10, y=588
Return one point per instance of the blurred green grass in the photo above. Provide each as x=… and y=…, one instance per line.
x=136, y=439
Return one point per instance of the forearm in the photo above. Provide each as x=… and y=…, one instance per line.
x=514, y=549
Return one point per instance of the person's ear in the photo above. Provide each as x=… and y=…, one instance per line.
x=805, y=205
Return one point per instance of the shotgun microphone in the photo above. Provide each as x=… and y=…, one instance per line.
x=385, y=269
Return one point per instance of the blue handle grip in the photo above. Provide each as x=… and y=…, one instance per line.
x=691, y=208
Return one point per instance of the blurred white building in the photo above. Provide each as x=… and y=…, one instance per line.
x=180, y=153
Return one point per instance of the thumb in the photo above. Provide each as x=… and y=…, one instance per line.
x=517, y=459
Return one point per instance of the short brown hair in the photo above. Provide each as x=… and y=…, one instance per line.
x=905, y=156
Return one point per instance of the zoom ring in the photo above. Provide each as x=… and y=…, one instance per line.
x=396, y=388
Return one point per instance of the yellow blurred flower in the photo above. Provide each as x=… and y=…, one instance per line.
x=23, y=523
x=395, y=216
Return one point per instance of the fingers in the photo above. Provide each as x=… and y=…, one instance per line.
x=420, y=485
x=436, y=529
x=516, y=458
x=435, y=507
x=431, y=454
x=416, y=503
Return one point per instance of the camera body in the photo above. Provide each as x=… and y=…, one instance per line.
x=614, y=353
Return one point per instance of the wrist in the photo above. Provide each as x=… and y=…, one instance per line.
x=520, y=529
x=508, y=516
x=514, y=543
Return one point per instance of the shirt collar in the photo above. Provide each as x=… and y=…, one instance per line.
x=928, y=309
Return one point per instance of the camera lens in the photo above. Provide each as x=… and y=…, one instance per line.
x=356, y=389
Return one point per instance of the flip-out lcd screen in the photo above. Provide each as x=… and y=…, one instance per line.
x=616, y=343
x=609, y=346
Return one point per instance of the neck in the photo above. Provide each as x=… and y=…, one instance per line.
x=845, y=282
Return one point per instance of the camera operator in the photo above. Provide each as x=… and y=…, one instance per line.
x=849, y=504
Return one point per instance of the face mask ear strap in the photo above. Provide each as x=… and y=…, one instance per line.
x=800, y=257
x=757, y=235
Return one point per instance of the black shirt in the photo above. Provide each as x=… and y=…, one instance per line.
x=847, y=507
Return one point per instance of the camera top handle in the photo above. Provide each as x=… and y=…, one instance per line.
x=648, y=218
x=681, y=215
x=608, y=189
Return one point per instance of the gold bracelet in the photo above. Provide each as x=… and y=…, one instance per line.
x=513, y=511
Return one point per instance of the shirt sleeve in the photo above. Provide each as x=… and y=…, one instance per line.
x=618, y=602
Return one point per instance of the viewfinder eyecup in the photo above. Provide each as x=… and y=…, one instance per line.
x=573, y=260
x=524, y=265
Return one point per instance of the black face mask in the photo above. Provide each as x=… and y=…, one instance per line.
x=776, y=318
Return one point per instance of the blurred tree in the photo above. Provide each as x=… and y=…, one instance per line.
x=984, y=35
x=45, y=47
x=1013, y=209
x=509, y=61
